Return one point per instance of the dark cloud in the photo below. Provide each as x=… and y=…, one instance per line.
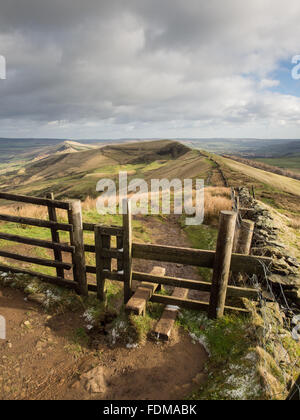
x=103, y=68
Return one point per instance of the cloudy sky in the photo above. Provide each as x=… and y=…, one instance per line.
x=150, y=68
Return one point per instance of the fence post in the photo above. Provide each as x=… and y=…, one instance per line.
x=242, y=243
x=76, y=236
x=222, y=264
x=101, y=241
x=127, y=249
x=245, y=236
x=55, y=236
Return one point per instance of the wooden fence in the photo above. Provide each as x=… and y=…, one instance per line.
x=223, y=261
x=75, y=248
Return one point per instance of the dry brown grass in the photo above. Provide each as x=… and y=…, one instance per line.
x=216, y=200
x=31, y=210
x=294, y=223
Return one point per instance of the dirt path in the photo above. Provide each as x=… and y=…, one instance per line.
x=41, y=360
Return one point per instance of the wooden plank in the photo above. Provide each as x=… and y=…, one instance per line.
x=102, y=263
x=34, y=260
x=106, y=230
x=192, y=284
x=36, y=242
x=36, y=222
x=76, y=238
x=35, y=200
x=177, y=255
x=164, y=326
x=90, y=269
x=109, y=275
x=137, y=303
x=55, y=237
x=90, y=248
x=189, y=304
x=201, y=258
x=89, y=227
x=44, y=277
x=242, y=245
x=222, y=264
x=111, y=253
x=120, y=262
x=127, y=250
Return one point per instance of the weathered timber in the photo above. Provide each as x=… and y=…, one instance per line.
x=90, y=269
x=120, y=244
x=36, y=222
x=222, y=264
x=35, y=200
x=112, y=252
x=34, y=260
x=197, y=257
x=44, y=277
x=137, y=302
x=102, y=262
x=242, y=244
x=127, y=250
x=55, y=236
x=106, y=230
x=90, y=248
x=76, y=238
x=189, y=303
x=192, y=284
x=245, y=237
x=36, y=242
x=164, y=326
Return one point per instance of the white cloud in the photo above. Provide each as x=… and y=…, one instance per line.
x=151, y=68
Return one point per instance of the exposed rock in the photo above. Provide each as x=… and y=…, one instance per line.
x=94, y=380
x=285, y=269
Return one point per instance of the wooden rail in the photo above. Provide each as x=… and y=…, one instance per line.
x=35, y=200
x=36, y=222
x=76, y=247
x=192, y=284
x=197, y=257
x=34, y=260
x=37, y=242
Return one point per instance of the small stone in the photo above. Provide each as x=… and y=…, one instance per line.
x=95, y=380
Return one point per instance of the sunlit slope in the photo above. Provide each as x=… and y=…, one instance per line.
x=75, y=175
x=277, y=181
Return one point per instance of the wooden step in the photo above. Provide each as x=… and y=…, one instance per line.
x=163, y=328
x=137, y=303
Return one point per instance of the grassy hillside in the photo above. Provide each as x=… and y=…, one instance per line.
x=74, y=175
x=289, y=162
